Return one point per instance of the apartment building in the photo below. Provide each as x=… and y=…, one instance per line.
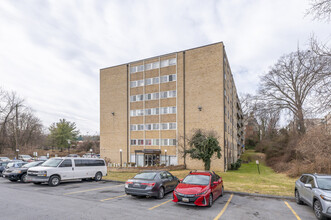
x=149, y=107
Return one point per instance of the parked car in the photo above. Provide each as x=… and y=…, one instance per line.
x=42, y=158
x=58, y=169
x=26, y=158
x=151, y=183
x=20, y=173
x=73, y=155
x=3, y=166
x=199, y=189
x=90, y=155
x=15, y=164
x=315, y=191
x=4, y=159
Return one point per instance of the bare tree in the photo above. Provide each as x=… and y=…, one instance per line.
x=320, y=9
x=292, y=80
x=18, y=125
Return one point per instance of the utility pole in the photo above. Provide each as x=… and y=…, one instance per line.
x=16, y=131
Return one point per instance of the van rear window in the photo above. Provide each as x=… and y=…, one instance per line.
x=88, y=163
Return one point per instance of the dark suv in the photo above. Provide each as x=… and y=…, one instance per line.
x=19, y=173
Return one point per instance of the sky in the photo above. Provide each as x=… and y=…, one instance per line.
x=51, y=51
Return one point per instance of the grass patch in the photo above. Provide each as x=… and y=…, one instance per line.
x=245, y=179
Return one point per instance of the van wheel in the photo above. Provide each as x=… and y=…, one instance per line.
x=54, y=181
x=23, y=178
x=98, y=176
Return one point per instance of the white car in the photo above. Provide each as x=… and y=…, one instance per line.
x=58, y=169
x=4, y=159
x=24, y=157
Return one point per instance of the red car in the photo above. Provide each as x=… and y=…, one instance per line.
x=199, y=189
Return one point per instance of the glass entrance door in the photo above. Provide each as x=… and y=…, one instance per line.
x=152, y=159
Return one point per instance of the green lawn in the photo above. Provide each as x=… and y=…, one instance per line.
x=245, y=179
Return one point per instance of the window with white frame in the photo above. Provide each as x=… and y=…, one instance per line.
x=156, y=142
x=140, y=127
x=164, y=126
x=172, y=125
x=164, y=63
x=156, y=126
x=149, y=81
x=140, y=68
x=155, y=80
x=148, y=66
x=148, y=127
x=148, y=142
x=155, y=65
x=172, y=61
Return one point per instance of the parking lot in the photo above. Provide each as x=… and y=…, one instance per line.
x=107, y=200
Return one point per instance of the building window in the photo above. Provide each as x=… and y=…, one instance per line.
x=172, y=61
x=148, y=142
x=156, y=126
x=148, y=66
x=156, y=80
x=149, y=81
x=133, y=127
x=133, y=69
x=156, y=65
x=172, y=125
x=133, y=142
x=155, y=142
x=164, y=126
x=140, y=68
x=140, y=142
x=164, y=63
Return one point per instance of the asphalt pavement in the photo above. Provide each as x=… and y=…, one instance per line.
x=107, y=200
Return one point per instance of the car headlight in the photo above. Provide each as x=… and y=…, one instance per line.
x=204, y=192
x=42, y=173
x=326, y=198
x=17, y=171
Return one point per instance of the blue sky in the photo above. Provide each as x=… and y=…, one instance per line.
x=51, y=51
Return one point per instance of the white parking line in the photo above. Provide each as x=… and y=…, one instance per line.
x=88, y=190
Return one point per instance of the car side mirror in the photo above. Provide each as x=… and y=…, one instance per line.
x=308, y=185
x=180, y=180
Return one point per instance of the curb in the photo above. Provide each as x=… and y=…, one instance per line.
x=261, y=195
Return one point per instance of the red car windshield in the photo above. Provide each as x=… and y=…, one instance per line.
x=197, y=180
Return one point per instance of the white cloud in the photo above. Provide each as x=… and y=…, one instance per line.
x=51, y=51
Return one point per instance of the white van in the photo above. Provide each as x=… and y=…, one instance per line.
x=58, y=169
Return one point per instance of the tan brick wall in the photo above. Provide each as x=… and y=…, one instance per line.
x=113, y=98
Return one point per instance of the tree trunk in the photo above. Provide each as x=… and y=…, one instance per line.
x=301, y=122
x=207, y=164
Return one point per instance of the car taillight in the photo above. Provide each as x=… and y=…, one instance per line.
x=148, y=184
x=127, y=184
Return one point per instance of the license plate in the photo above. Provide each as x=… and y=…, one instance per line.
x=136, y=185
x=185, y=200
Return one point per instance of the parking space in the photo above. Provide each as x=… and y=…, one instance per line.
x=102, y=200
